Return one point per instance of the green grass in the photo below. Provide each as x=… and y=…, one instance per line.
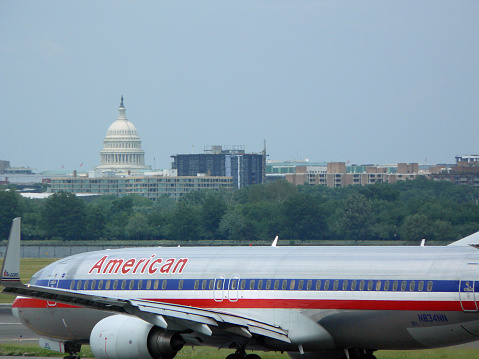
x=28, y=267
x=212, y=353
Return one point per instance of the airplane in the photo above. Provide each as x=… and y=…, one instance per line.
x=311, y=302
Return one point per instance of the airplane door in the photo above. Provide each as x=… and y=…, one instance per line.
x=233, y=288
x=467, y=288
x=219, y=288
x=52, y=283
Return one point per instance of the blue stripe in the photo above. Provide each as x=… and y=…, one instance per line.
x=325, y=284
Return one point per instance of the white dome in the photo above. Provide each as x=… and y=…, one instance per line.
x=122, y=146
x=122, y=127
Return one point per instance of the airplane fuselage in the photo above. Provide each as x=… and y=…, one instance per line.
x=361, y=297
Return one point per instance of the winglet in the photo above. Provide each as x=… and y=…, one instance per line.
x=11, y=262
x=275, y=242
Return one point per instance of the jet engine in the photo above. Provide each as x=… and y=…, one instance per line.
x=124, y=337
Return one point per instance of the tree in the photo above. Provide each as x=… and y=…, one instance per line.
x=9, y=209
x=137, y=226
x=415, y=227
x=183, y=223
x=356, y=218
x=212, y=210
x=233, y=225
x=63, y=216
x=303, y=218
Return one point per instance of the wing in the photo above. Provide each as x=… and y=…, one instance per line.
x=168, y=316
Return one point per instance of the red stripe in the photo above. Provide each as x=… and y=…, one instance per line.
x=451, y=306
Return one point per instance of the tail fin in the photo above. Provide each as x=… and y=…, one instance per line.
x=11, y=262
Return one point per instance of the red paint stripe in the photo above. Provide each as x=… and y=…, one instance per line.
x=284, y=303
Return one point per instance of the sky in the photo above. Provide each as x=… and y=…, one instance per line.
x=376, y=82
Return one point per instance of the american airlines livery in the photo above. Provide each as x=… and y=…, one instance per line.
x=312, y=302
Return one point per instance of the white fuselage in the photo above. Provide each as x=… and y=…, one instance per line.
x=364, y=297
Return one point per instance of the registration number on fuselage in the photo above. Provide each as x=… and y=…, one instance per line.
x=431, y=318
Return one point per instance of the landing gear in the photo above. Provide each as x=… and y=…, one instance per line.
x=360, y=354
x=73, y=349
x=241, y=354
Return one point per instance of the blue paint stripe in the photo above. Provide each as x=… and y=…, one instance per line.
x=323, y=284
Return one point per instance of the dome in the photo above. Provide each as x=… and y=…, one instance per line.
x=122, y=128
x=122, y=146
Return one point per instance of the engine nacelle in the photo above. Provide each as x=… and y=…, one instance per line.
x=124, y=337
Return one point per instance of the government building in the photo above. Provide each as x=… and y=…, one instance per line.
x=122, y=170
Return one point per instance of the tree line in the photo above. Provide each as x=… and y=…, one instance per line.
x=407, y=210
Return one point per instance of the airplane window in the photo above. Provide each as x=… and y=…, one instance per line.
x=284, y=284
x=163, y=284
x=335, y=285
x=395, y=285
x=107, y=285
x=429, y=286
x=132, y=284
x=100, y=284
x=326, y=284
x=72, y=285
x=421, y=286
x=276, y=284
x=251, y=284
x=260, y=284
x=93, y=285
x=268, y=284
x=156, y=283
x=115, y=284
x=370, y=285
x=203, y=284
x=300, y=285
x=309, y=284
x=148, y=284
x=197, y=284
x=345, y=285
x=233, y=284
x=85, y=285
x=79, y=285
x=403, y=285
x=378, y=285
x=211, y=284
x=292, y=284
x=243, y=284
x=386, y=285
x=361, y=285
x=353, y=285
x=412, y=286
x=123, y=284
x=318, y=285
x=140, y=284
x=180, y=284
x=219, y=284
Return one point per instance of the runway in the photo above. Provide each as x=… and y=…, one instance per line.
x=12, y=331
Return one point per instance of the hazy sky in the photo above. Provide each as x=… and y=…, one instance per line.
x=359, y=81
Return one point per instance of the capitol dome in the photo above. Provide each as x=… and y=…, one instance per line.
x=122, y=146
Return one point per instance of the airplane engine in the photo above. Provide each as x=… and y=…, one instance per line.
x=124, y=337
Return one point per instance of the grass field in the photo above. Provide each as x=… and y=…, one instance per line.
x=211, y=353
x=29, y=266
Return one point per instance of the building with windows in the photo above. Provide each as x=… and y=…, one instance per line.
x=151, y=187
x=245, y=168
x=337, y=174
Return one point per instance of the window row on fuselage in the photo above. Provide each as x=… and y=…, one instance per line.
x=235, y=283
